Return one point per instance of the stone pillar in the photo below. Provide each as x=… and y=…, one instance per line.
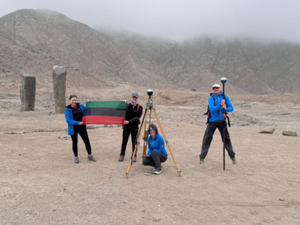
x=59, y=87
x=27, y=93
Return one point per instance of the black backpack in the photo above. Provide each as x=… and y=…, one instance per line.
x=208, y=113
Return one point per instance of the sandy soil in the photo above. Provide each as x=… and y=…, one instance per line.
x=40, y=184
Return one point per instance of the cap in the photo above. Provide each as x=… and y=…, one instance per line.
x=135, y=95
x=216, y=85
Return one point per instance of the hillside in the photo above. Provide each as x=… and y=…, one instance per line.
x=253, y=66
x=33, y=41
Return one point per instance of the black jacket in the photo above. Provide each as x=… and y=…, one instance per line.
x=133, y=115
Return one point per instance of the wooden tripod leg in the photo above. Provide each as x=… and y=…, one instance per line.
x=135, y=148
x=162, y=131
x=146, y=134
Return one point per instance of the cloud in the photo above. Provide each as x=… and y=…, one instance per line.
x=178, y=19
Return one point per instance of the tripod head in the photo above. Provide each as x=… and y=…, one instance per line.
x=149, y=104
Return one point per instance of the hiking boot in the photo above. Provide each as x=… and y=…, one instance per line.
x=158, y=171
x=233, y=160
x=91, y=158
x=201, y=161
x=76, y=160
x=121, y=159
x=135, y=160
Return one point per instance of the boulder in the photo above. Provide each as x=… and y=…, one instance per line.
x=289, y=133
x=59, y=87
x=27, y=92
x=268, y=130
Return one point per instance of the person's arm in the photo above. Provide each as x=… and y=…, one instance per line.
x=138, y=116
x=150, y=148
x=69, y=119
x=161, y=146
x=212, y=106
x=229, y=106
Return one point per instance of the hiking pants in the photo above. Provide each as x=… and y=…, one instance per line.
x=155, y=160
x=81, y=130
x=208, y=136
x=126, y=132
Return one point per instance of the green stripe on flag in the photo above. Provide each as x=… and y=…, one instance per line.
x=107, y=104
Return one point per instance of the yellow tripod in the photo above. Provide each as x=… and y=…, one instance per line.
x=143, y=127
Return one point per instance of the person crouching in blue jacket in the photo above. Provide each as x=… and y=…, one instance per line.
x=157, y=153
x=74, y=114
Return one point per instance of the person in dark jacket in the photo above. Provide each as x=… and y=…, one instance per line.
x=134, y=112
x=74, y=114
x=217, y=105
x=157, y=153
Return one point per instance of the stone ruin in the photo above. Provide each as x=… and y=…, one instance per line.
x=27, y=92
x=59, y=87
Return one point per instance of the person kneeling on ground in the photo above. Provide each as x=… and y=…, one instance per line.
x=157, y=153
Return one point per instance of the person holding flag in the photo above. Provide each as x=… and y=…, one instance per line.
x=74, y=114
x=134, y=112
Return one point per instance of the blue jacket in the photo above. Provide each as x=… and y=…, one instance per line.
x=158, y=144
x=217, y=110
x=69, y=118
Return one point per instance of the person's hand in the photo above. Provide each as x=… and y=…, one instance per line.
x=80, y=123
x=124, y=100
x=223, y=102
x=147, y=156
x=126, y=122
x=87, y=100
x=224, y=106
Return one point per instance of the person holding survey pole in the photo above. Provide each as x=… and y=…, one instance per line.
x=219, y=104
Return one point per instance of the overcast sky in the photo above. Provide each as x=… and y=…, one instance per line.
x=180, y=19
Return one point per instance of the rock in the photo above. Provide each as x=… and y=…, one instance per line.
x=244, y=124
x=268, y=130
x=27, y=93
x=253, y=120
x=289, y=133
x=59, y=87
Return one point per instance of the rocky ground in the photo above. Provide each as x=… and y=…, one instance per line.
x=40, y=184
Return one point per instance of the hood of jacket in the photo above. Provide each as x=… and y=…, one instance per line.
x=69, y=106
x=156, y=137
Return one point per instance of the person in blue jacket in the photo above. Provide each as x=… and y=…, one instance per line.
x=157, y=153
x=74, y=114
x=217, y=105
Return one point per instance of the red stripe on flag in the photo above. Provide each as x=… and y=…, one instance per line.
x=109, y=120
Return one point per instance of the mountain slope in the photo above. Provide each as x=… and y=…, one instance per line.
x=33, y=41
x=249, y=65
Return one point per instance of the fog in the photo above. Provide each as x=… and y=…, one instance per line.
x=179, y=20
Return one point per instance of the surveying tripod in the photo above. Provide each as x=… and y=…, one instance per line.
x=144, y=131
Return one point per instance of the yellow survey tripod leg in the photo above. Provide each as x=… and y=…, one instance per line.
x=166, y=141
